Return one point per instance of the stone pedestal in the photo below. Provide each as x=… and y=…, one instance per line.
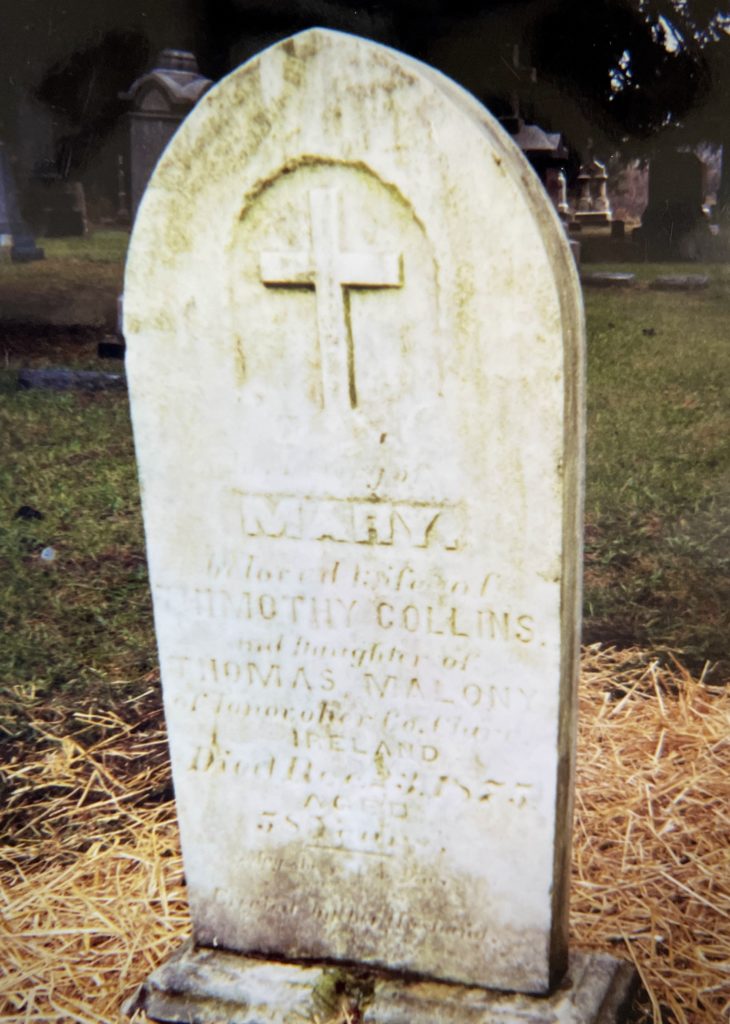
x=206, y=986
x=593, y=206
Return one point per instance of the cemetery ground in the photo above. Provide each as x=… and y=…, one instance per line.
x=92, y=889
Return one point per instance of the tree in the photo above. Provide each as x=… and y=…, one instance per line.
x=700, y=29
x=84, y=91
x=609, y=62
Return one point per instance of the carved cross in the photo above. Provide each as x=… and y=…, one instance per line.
x=330, y=272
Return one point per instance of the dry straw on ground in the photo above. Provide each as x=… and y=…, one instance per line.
x=91, y=884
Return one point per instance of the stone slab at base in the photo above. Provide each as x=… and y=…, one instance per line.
x=680, y=282
x=607, y=279
x=206, y=986
x=62, y=379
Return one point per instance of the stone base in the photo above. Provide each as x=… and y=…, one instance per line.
x=26, y=252
x=206, y=986
x=680, y=283
x=63, y=379
x=592, y=218
x=607, y=279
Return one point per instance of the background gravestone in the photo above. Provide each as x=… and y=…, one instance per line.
x=55, y=208
x=355, y=363
x=160, y=100
x=674, y=225
x=15, y=237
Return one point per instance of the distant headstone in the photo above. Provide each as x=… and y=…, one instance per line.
x=159, y=100
x=16, y=239
x=357, y=402
x=680, y=282
x=674, y=224
x=593, y=207
x=56, y=208
x=607, y=279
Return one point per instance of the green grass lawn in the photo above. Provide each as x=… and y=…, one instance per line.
x=79, y=624
x=658, y=467
x=76, y=284
x=657, y=503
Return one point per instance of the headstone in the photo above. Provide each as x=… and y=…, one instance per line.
x=56, y=208
x=593, y=208
x=674, y=225
x=547, y=155
x=159, y=100
x=355, y=342
x=15, y=237
x=561, y=197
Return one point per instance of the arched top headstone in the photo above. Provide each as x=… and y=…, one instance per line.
x=172, y=86
x=354, y=340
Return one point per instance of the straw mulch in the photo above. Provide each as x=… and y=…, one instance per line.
x=651, y=855
x=91, y=884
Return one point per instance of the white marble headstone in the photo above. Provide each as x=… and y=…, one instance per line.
x=355, y=364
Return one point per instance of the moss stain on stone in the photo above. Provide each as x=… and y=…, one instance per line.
x=341, y=994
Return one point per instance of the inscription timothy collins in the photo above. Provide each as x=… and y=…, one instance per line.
x=327, y=613
x=398, y=524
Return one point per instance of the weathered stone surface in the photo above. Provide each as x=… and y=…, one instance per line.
x=354, y=346
x=597, y=989
x=210, y=987
x=607, y=279
x=61, y=379
x=204, y=985
x=680, y=282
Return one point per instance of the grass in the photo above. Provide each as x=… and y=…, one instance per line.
x=78, y=628
x=76, y=284
x=74, y=625
x=658, y=468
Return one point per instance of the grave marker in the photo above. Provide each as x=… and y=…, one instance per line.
x=16, y=240
x=355, y=363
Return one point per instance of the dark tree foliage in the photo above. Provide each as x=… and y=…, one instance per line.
x=607, y=59
x=700, y=29
x=609, y=74
x=85, y=89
